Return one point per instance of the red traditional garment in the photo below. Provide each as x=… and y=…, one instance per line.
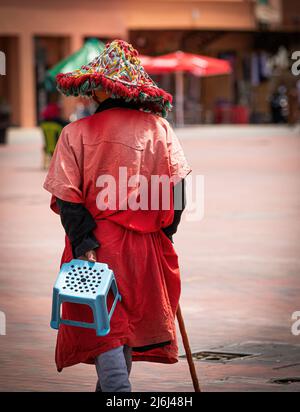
x=131, y=242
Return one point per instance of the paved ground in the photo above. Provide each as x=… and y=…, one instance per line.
x=240, y=266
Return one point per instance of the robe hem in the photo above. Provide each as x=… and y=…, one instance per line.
x=89, y=358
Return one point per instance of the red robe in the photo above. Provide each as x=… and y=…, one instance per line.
x=132, y=242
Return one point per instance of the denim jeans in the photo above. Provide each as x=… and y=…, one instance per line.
x=113, y=369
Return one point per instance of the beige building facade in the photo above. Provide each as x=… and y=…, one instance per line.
x=63, y=25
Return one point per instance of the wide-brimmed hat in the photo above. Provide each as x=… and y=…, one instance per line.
x=117, y=71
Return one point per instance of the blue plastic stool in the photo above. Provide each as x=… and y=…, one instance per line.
x=85, y=283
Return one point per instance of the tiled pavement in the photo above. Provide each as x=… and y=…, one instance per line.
x=240, y=266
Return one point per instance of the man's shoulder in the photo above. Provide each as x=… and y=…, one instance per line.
x=100, y=121
x=126, y=112
x=77, y=124
x=75, y=130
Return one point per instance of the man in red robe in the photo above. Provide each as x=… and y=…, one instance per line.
x=131, y=230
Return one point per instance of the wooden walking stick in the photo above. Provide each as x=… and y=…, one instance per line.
x=187, y=348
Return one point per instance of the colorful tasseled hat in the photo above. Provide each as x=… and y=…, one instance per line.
x=117, y=71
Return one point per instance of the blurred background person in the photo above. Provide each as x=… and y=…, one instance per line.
x=51, y=124
x=4, y=120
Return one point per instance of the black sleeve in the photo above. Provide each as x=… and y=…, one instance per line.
x=179, y=206
x=79, y=225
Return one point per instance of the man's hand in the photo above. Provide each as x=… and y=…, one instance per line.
x=90, y=255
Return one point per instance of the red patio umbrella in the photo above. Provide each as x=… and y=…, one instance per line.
x=180, y=62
